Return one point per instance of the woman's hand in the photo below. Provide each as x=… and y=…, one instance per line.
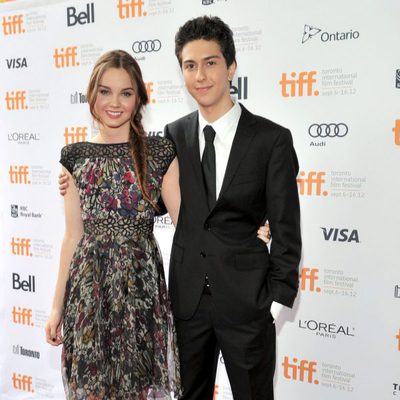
x=264, y=233
x=53, y=328
x=63, y=183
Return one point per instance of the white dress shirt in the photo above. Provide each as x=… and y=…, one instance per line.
x=225, y=128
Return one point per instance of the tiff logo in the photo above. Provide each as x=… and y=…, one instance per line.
x=16, y=100
x=75, y=134
x=83, y=18
x=131, y=9
x=300, y=370
x=21, y=247
x=65, y=57
x=14, y=63
x=396, y=131
x=22, y=382
x=296, y=86
x=19, y=174
x=314, y=180
x=22, y=316
x=13, y=25
x=308, y=278
x=150, y=91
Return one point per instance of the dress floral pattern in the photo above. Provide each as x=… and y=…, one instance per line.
x=119, y=337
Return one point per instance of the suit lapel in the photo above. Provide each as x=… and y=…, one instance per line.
x=243, y=137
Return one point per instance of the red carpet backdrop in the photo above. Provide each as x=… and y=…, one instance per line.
x=329, y=71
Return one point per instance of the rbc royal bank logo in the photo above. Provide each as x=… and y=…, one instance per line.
x=13, y=25
x=131, y=9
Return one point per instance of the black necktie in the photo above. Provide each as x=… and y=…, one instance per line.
x=208, y=165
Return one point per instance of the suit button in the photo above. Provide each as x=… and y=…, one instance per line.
x=207, y=227
x=202, y=254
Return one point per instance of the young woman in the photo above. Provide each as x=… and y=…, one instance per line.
x=111, y=298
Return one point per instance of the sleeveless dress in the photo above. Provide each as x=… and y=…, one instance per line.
x=119, y=337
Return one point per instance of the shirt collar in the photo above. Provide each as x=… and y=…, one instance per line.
x=223, y=124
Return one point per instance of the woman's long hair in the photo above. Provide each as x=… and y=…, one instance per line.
x=137, y=135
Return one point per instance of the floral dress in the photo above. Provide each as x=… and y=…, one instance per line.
x=119, y=337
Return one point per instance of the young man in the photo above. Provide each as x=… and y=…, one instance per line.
x=236, y=171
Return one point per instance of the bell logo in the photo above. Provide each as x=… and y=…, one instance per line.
x=340, y=235
x=314, y=179
x=19, y=174
x=300, y=370
x=308, y=278
x=24, y=285
x=396, y=131
x=296, y=86
x=82, y=18
x=22, y=316
x=75, y=134
x=131, y=9
x=66, y=57
x=150, y=91
x=398, y=340
x=13, y=25
x=16, y=100
x=22, y=382
x=21, y=247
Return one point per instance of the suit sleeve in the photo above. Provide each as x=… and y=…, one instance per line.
x=283, y=212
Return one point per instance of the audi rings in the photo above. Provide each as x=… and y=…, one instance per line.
x=146, y=46
x=328, y=130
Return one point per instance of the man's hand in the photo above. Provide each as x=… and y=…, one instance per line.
x=264, y=233
x=63, y=183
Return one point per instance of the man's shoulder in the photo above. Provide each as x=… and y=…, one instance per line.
x=262, y=121
x=183, y=120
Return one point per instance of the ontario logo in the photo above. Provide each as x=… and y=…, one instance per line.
x=310, y=31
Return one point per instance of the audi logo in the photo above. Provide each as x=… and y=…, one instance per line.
x=146, y=46
x=328, y=130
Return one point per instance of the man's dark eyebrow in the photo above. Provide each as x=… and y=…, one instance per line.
x=204, y=59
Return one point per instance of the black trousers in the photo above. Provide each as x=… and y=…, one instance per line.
x=248, y=350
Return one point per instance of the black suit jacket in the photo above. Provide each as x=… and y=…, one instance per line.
x=259, y=184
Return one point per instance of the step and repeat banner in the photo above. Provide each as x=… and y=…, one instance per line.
x=329, y=71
